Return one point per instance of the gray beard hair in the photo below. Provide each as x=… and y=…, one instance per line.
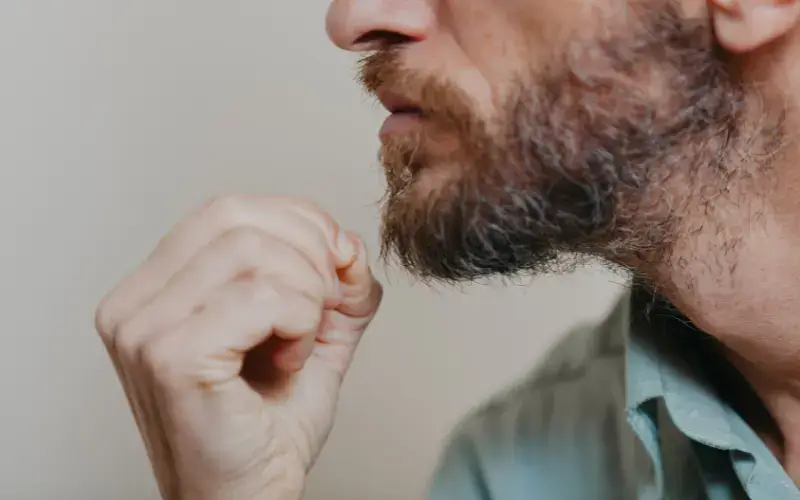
x=617, y=152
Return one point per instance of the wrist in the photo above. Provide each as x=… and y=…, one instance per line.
x=283, y=486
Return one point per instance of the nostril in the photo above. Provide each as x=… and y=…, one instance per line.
x=381, y=39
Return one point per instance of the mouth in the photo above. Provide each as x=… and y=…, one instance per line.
x=405, y=113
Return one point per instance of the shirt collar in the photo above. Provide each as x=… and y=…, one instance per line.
x=659, y=365
x=664, y=359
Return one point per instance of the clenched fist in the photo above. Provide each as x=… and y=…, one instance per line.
x=232, y=340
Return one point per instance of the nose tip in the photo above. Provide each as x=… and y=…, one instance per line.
x=364, y=25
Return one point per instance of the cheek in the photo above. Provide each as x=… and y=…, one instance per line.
x=490, y=47
x=515, y=36
x=499, y=41
x=453, y=63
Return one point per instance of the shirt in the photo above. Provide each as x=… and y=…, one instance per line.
x=621, y=410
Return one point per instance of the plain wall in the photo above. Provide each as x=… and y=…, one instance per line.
x=117, y=117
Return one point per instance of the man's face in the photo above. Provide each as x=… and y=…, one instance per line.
x=522, y=130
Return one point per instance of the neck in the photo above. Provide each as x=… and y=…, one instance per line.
x=735, y=272
x=780, y=429
x=738, y=279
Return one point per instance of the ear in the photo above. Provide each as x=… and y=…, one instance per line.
x=745, y=25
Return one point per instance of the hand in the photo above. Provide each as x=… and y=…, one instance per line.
x=232, y=340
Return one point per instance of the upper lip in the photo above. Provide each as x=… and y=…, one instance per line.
x=396, y=103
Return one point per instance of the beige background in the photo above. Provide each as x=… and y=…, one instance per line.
x=117, y=117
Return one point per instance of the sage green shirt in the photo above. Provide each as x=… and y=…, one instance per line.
x=623, y=410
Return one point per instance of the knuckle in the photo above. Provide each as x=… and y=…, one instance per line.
x=310, y=206
x=331, y=223
x=247, y=241
x=104, y=319
x=316, y=287
x=274, y=293
x=313, y=210
x=256, y=292
x=305, y=291
x=228, y=209
x=158, y=357
x=301, y=300
x=312, y=316
x=126, y=339
x=267, y=292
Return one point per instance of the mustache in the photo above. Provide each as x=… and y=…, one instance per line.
x=378, y=68
x=438, y=99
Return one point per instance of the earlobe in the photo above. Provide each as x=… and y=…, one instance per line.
x=745, y=25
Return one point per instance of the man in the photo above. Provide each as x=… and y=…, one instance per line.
x=656, y=135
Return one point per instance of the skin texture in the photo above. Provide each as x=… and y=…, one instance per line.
x=656, y=135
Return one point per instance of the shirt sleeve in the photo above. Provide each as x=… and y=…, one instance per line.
x=460, y=474
x=560, y=434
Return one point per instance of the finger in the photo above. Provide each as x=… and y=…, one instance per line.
x=243, y=254
x=176, y=249
x=342, y=329
x=361, y=292
x=291, y=355
x=209, y=347
x=361, y=295
x=338, y=239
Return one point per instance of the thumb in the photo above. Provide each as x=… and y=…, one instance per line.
x=361, y=292
x=342, y=328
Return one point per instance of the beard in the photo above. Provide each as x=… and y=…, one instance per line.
x=606, y=152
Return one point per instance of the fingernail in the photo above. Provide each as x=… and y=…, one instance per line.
x=347, y=249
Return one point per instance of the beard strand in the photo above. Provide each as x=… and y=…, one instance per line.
x=602, y=155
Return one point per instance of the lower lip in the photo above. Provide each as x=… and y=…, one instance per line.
x=399, y=123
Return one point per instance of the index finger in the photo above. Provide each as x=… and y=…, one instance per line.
x=278, y=217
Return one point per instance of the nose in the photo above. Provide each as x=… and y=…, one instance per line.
x=364, y=25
